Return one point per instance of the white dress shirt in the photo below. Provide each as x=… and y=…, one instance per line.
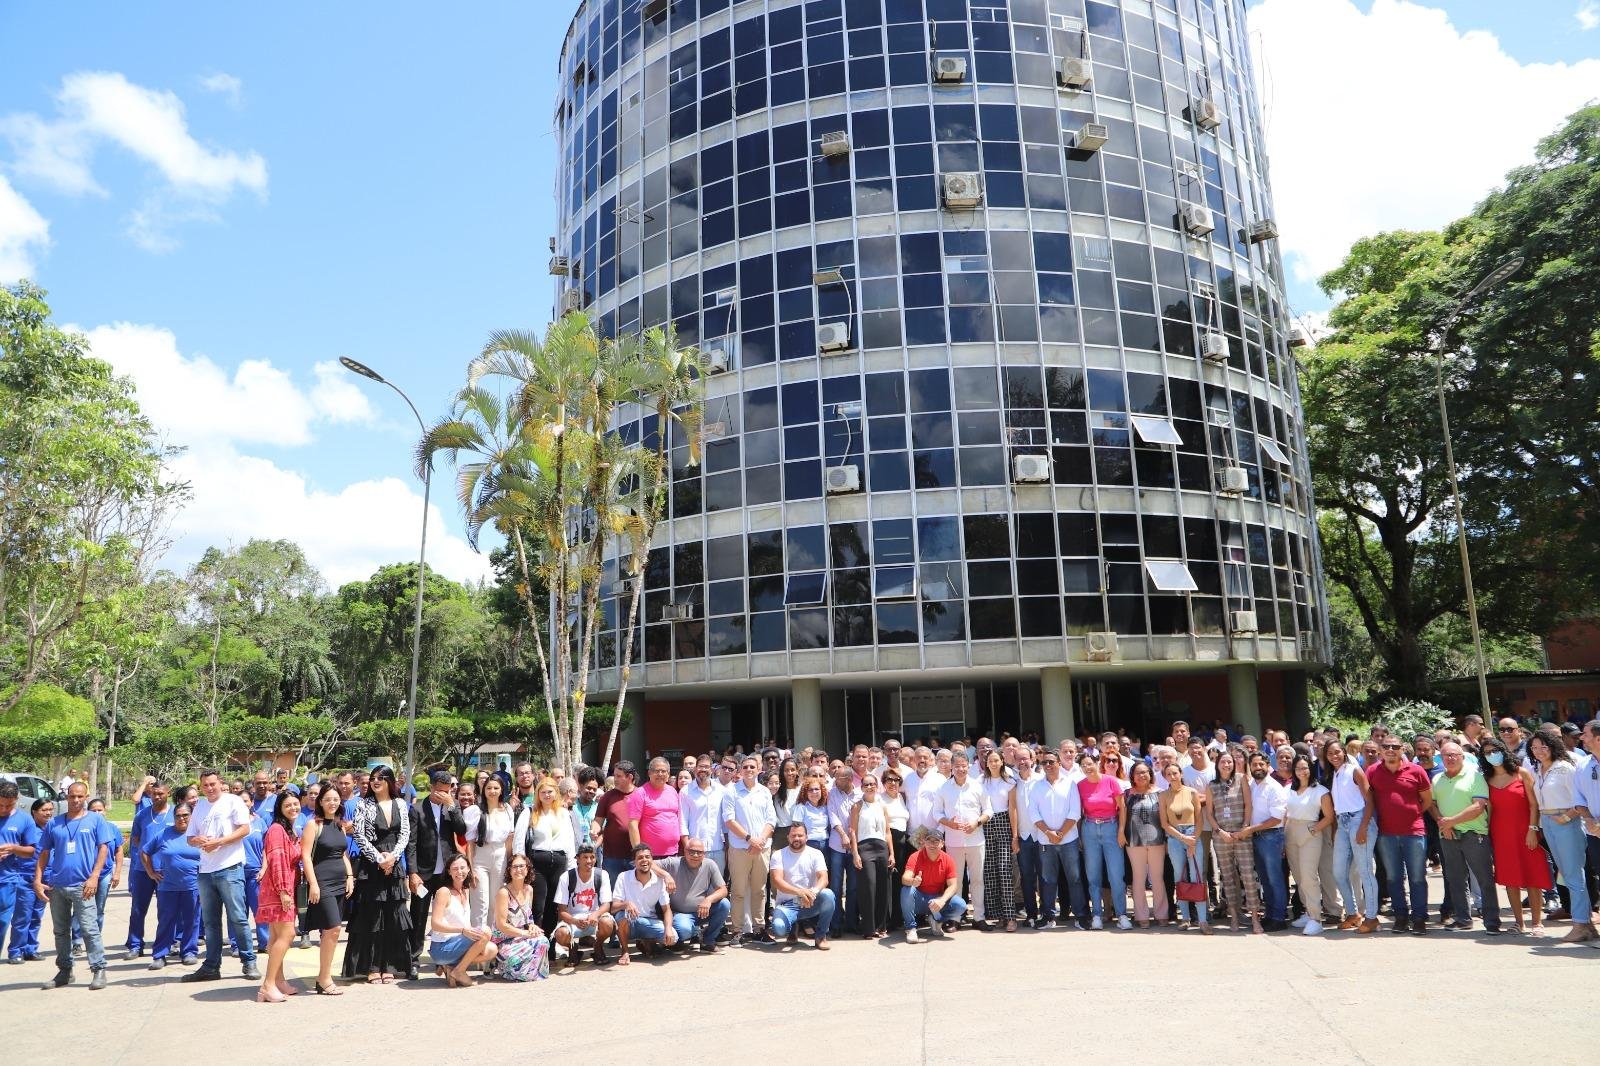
x=1268, y=800
x=1055, y=805
x=963, y=803
x=700, y=814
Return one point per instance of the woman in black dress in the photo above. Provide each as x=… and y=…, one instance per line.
x=324, y=854
x=380, y=922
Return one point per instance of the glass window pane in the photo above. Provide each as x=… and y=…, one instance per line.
x=1169, y=575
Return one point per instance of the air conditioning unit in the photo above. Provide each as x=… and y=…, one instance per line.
x=1027, y=469
x=950, y=68
x=1205, y=112
x=1091, y=135
x=835, y=143
x=1242, y=623
x=1232, y=481
x=1196, y=219
x=833, y=337
x=571, y=300
x=963, y=188
x=1263, y=229
x=716, y=360
x=560, y=266
x=1102, y=647
x=843, y=479
x=1299, y=338
x=1214, y=347
x=677, y=612
x=713, y=430
x=1074, y=73
x=552, y=245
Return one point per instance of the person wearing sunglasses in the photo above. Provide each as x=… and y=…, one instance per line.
x=699, y=896
x=174, y=866
x=1401, y=791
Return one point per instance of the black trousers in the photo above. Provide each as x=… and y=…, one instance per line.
x=548, y=869
x=872, y=896
x=420, y=907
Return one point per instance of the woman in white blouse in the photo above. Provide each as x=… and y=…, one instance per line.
x=871, y=854
x=1000, y=842
x=544, y=834
x=490, y=823
x=900, y=848
x=1309, y=817
x=1562, y=824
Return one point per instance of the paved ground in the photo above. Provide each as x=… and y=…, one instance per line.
x=1334, y=999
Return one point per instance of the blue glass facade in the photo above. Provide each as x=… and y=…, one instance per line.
x=1023, y=360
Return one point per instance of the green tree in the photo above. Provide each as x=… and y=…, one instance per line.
x=48, y=723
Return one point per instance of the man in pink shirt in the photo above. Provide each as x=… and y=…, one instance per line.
x=653, y=814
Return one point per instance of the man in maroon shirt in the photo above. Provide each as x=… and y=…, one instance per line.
x=1401, y=791
x=616, y=843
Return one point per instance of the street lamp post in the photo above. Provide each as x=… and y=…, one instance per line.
x=1499, y=274
x=422, y=572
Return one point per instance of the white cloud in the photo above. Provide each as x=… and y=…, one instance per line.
x=1588, y=14
x=22, y=231
x=197, y=401
x=1393, y=118
x=224, y=85
x=216, y=414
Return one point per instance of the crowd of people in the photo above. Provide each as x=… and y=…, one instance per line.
x=503, y=872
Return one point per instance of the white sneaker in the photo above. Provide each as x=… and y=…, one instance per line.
x=1300, y=922
x=1097, y=923
x=1123, y=923
x=1313, y=927
x=911, y=935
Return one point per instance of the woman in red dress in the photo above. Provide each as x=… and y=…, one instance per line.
x=280, y=869
x=1519, y=862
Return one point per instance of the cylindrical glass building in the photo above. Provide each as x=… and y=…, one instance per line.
x=1008, y=435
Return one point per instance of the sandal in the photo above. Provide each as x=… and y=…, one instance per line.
x=331, y=990
x=386, y=978
x=374, y=978
x=1011, y=925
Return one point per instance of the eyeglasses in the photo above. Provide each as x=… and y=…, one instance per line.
x=695, y=854
x=1508, y=729
x=1393, y=747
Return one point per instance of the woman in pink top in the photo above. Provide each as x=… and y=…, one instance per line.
x=1103, y=841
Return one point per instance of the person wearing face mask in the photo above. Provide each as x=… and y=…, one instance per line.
x=1520, y=865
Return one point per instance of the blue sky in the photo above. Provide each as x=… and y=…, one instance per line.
x=253, y=192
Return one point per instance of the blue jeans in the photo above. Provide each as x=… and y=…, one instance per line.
x=1058, y=861
x=252, y=900
x=1567, y=847
x=688, y=926
x=1179, y=853
x=787, y=915
x=615, y=868
x=1028, y=877
x=1104, y=859
x=68, y=905
x=101, y=895
x=643, y=928
x=914, y=903
x=1405, y=858
x=1352, y=858
x=177, y=922
x=842, y=877
x=1268, y=848
x=223, y=891
x=141, y=887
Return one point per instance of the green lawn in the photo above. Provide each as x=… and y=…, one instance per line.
x=121, y=812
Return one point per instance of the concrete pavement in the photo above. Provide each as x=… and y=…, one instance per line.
x=1334, y=999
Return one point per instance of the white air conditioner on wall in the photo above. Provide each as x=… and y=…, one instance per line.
x=835, y=143
x=833, y=337
x=1102, y=647
x=1027, y=469
x=950, y=68
x=560, y=266
x=1214, y=347
x=716, y=360
x=1090, y=136
x=713, y=430
x=1242, y=623
x=677, y=612
x=1074, y=72
x=1205, y=112
x=1232, y=481
x=1264, y=229
x=843, y=479
x=1196, y=219
x=962, y=188
x=571, y=300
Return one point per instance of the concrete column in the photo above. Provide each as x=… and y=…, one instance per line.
x=805, y=695
x=1055, y=691
x=630, y=745
x=1242, y=698
x=1296, y=704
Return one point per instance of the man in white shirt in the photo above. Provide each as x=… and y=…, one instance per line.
x=642, y=906
x=963, y=809
x=1027, y=837
x=922, y=791
x=700, y=816
x=801, y=892
x=1054, y=811
x=218, y=826
x=749, y=819
x=1269, y=805
x=842, y=799
x=583, y=903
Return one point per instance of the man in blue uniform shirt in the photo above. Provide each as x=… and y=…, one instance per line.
x=18, y=836
x=71, y=858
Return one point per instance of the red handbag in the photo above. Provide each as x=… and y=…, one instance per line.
x=1191, y=891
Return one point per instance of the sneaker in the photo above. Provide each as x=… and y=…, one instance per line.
x=157, y=964
x=1123, y=923
x=190, y=959
x=1098, y=923
x=1040, y=923
x=911, y=936
x=1419, y=927
x=1302, y=921
x=935, y=929
x=1464, y=925
x=133, y=953
x=78, y=951
x=99, y=980
x=950, y=927
x=15, y=960
x=250, y=971
x=62, y=979
x=1401, y=925
x=1312, y=928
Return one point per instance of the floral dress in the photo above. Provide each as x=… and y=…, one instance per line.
x=522, y=958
